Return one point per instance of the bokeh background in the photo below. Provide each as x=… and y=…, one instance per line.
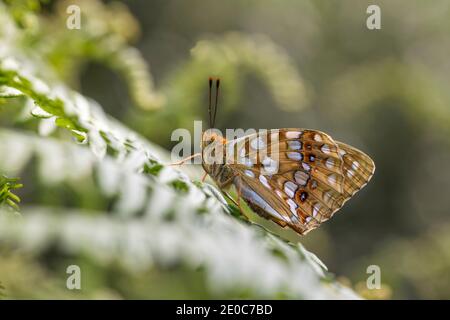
x=310, y=64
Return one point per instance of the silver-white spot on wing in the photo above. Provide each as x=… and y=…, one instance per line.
x=329, y=163
x=290, y=188
x=316, y=209
x=292, y=206
x=264, y=181
x=270, y=166
x=332, y=179
x=326, y=149
x=326, y=196
x=294, y=219
x=350, y=173
x=293, y=134
x=294, y=145
x=242, y=152
x=249, y=173
x=258, y=143
x=254, y=198
x=301, y=177
x=294, y=156
x=306, y=166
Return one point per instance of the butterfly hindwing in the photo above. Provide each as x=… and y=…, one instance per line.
x=358, y=168
x=298, y=177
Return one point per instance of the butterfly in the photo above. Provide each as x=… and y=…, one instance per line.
x=295, y=177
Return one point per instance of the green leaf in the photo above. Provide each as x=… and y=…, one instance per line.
x=180, y=185
x=6, y=196
x=8, y=92
x=2, y=288
x=153, y=167
x=65, y=123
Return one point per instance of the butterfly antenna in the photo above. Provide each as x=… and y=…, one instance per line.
x=209, y=103
x=216, y=102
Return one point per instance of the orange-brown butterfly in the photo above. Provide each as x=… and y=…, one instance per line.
x=294, y=177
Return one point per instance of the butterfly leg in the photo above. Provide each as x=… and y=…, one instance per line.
x=242, y=210
x=238, y=204
x=231, y=198
x=182, y=161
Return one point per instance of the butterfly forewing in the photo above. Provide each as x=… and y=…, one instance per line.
x=297, y=177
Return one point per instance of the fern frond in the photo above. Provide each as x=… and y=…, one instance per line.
x=7, y=197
